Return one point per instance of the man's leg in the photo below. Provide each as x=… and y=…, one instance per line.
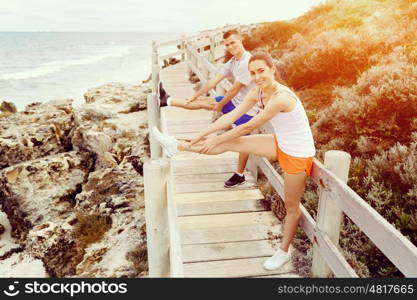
x=238, y=177
x=200, y=103
x=243, y=160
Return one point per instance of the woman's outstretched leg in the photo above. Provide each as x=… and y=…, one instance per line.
x=200, y=103
x=258, y=144
x=294, y=186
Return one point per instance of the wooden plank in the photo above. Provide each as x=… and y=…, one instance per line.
x=175, y=80
x=156, y=217
x=203, y=167
x=179, y=114
x=273, y=176
x=186, y=122
x=222, y=251
x=332, y=255
x=175, y=73
x=229, y=234
x=204, y=161
x=210, y=186
x=329, y=215
x=386, y=237
x=208, y=177
x=202, y=43
x=169, y=55
x=175, y=250
x=183, y=128
x=188, y=135
x=327, y=249
x=227, y=220
x=177, y=69
x=192, y=156
x=307, y=223
x=221, y=207
x=231, y=195
x=245, y=267
x=180, y=91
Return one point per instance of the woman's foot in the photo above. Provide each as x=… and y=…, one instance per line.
x=277, y=260
x=169, y=143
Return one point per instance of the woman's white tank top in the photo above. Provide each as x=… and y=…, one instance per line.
x=292, y=128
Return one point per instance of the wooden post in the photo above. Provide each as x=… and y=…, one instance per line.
x=155, y=68
x=192, y=57
x=153, y=120
x=189, y=58
x=152, y=104
x=183, y=48
x=329, y=214
x=203, y=68
x=155, y=81
x=156, y=215
x=213, y=48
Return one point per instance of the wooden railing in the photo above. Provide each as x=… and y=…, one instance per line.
x=202, y=52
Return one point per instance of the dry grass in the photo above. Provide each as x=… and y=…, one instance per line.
x=90, y=229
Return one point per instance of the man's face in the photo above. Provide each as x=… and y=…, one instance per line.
x=233, y=44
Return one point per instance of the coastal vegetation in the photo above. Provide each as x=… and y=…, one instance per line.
x=354, y=65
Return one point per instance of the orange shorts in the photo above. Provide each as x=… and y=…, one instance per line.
x=293, y=165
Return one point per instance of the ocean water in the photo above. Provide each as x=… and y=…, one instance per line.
x=43, y=66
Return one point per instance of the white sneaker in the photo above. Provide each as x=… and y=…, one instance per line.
x=169, y=143
x=277, y=260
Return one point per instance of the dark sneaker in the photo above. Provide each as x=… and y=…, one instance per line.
x=163, y=96
x=234, y=180
x=162, y=91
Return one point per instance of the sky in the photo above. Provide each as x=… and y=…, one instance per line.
x=143, y=15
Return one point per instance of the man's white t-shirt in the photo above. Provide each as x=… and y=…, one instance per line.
x=237, y=70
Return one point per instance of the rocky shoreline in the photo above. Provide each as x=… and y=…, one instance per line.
x=71, y=186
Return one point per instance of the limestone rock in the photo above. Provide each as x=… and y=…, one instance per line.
x=72, y=186
x=40, y=130
x=117, y=193
x=8, y=107
x=41, y=190
x=118, y=97
x=55, y=245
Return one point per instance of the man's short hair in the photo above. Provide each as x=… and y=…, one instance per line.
x=231, y=32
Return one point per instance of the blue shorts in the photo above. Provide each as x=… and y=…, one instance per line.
x=229, y=107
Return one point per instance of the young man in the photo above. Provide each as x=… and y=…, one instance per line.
x=237, y=70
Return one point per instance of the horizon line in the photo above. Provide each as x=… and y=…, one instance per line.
x=61, y=31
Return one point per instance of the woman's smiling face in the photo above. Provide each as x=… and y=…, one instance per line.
x=262, y=74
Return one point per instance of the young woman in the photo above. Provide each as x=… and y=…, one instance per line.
x=292, y=144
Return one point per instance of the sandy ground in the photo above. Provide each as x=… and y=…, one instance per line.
x=18, y=264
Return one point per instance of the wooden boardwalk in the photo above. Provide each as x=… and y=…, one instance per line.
x=223, y=232
x=197, y=228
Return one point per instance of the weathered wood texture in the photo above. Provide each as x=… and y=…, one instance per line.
x=217, y=227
